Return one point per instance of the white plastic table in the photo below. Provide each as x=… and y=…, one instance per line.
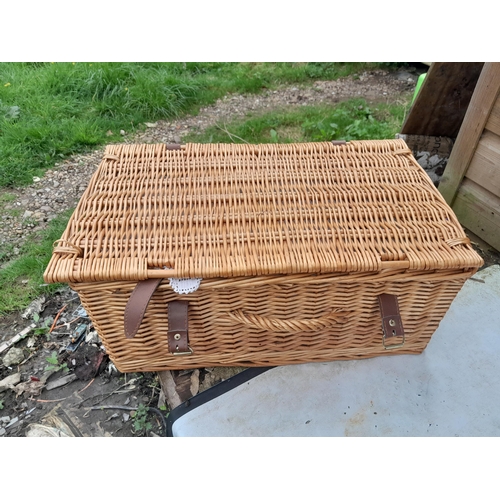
x=451, y=389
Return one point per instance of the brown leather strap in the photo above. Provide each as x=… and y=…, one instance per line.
x=178, y=342
x=391, y=319
x=137, y=304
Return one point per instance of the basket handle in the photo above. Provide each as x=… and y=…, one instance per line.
x=137, y=305
x=288, y=325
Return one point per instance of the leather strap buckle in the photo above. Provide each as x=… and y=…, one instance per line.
x=178, y=340
x=392, y=325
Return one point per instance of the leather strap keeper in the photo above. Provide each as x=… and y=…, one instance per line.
x=391, y=319
x=178, y=342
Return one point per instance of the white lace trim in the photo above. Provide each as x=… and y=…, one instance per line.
x=185, y=285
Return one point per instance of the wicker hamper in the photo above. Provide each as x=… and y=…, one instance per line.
x=291, y=253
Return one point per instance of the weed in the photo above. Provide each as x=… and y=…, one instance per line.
x=6, y=251
x=29, y=222
x=54, y=364
x=1, y=404
x=319, y=70
x=9, y=113
x=319, y=130
x=44, y=328
x=6, y=198
x=348, y=120
x=13, y=212
x=140, y=420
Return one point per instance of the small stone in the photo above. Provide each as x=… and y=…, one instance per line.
x=126, y=417
x=109, y=133
x=45, y=208
x=27, y=214
x=2, y=431
x=434, y=160
x=13, y=421
x=92, y=337
x=56, y=184
x=8, y=383
x=13, y=357
x=36, y=179
x=35, y=307
x=122, y=132
x=5, y=420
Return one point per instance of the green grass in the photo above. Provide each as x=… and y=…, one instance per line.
x=6, y=198
x=21, y=279
x=350, y=120
x=51, y=110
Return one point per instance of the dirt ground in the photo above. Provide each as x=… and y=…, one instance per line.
x=96, y=399
x=62, y=382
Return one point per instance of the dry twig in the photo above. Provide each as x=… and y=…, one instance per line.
x=231, y=135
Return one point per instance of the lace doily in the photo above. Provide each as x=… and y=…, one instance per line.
x=184, y=285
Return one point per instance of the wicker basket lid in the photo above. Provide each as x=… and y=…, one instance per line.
x=224, y=210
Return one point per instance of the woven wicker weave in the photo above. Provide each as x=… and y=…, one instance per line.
x=293, y=242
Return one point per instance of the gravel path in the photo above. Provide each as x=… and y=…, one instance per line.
x=60, y=189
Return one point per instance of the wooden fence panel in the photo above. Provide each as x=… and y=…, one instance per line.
x=484, y=168
x=478, y=112
x=493, y=123
x=479, y=210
